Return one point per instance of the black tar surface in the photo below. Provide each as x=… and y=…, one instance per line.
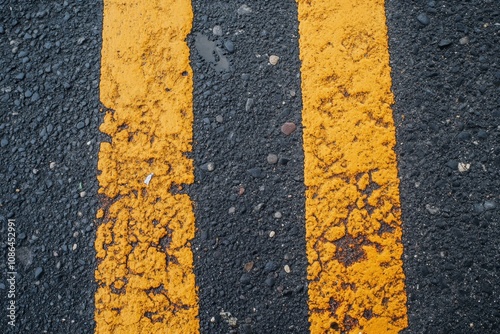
x=445, y=69
x=49, y=139
x=239, y=267
x=447, y=112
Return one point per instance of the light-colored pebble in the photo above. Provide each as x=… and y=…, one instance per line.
x=463, y=167
x=273, y=60
x=287, y=268
x=217, y=30
x=272, y=234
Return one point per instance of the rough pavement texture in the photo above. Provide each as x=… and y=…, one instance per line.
x=444, y=65
x=245, y=200
x=49, y=115
x=446, y=81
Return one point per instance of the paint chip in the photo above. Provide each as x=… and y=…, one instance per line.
x=148, y=179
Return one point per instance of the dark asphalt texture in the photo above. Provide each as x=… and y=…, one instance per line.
x=49, y=113
x=447, y=112
x=239, y=268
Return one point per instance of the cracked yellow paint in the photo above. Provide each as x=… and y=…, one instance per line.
x=145, y=273
x=353, y=217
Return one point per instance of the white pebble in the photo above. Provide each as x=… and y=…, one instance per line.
x=74, y=246
x=52, y=165
x=272, y=234
x=463, y=167
x=287, y=268
x=273, y=60
x=278, y=215
x=232, y=210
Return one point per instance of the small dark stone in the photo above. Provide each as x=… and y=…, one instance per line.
x=453, y=164
x=283, y=161
x=482, y=134
x=444, y=43
x=496, y=78
x=464, y=135
x=270, y=281
x=270, y=266
x=38, y=272
x=245, y=279
x=80, y=125
x=423, y=18
x=4, y=142
x=256, y=172
x=19, y=76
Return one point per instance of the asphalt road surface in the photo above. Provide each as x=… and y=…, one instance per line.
x=236, y=174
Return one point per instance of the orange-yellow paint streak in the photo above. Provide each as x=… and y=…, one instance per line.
x=145, y=273
x=353, y=217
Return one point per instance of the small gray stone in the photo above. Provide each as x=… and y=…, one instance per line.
x=478, y=207
x=80, y=125
x=278, y=215
x=272, y=158
x=2, y=286
x=38, y=272
x=482, y=134
x=270, y=281
x=229, y=46
x=444, y=43
x=245, y=279
x=464, y=135
x=423, y=18
x=256, y=172
x=219, y=119
x=270, y=266
x=217, y=31
x=249, y=104
x=244, y=10
x=258, y=207
x=464, y=40
x=4, y=142
x=453, y=164
x=432, y=209
x=489, y=205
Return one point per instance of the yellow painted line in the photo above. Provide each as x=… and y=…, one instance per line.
x=145, y=273
x=353, y=217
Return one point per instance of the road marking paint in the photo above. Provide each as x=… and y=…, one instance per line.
x=145, y=277
x=353, y=217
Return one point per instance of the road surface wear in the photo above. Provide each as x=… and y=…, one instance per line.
x=250, y=167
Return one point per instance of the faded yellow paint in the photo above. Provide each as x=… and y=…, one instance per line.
x=353, y=217
x=145, y=273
